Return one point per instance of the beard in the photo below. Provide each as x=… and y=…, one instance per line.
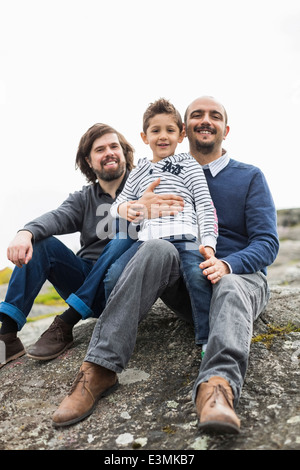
x=110, y=175
x=204, y=147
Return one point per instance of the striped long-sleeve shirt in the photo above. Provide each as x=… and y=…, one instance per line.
x=181, y=175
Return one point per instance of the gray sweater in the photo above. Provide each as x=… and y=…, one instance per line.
x=86, y=211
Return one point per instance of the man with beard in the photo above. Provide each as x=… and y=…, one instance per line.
x=105, y=158
x=247, y=244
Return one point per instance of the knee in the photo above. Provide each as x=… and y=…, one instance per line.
x=227, y=283
x=231, y=289
x=158, y=250
x=48, y=244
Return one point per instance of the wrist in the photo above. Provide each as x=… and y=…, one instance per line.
x=27, y=232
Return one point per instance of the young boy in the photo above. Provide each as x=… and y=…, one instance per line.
x=195, y=224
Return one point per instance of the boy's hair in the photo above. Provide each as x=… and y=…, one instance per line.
x=161, y=106
x=85, y=147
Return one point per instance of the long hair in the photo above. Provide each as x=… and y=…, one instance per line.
x=85, y=147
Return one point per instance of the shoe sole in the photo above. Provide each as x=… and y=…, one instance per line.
x=14, y=357
x=90, y=411
x=53, y=356
x=217, y=427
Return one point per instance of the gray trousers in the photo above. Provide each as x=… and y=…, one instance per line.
x=153, y=272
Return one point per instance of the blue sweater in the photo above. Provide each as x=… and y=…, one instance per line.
x=248, y=238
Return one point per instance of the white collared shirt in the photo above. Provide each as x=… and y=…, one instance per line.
x=217, y=165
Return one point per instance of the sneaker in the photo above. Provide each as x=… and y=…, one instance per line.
x=204, y=346
x=13, y=348
x=53, y=342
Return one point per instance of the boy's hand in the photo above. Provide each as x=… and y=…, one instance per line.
x=20, y=249
x=131, y=211
x=213, y=268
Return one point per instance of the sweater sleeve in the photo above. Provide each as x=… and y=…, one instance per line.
x=261, y=226
x=67, y=218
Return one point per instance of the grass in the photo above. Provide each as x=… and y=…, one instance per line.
x=274, y=331
x=42, y=317
x=5, y=275
x=50, y=298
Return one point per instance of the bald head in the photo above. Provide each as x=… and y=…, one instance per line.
x=198, y=102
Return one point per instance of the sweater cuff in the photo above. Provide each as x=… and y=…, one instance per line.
x=229, y=267
x=114, y=211
x=209, y=240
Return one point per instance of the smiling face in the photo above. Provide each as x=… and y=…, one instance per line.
x=162, y=135
x=206, y=126
x=107, y=158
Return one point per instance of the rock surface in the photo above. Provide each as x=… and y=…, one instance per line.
x=152, y=408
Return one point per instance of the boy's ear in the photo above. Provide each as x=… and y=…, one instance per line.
x=182, y=135
x=144, y=138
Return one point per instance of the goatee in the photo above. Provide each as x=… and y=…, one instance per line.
x=204, y=148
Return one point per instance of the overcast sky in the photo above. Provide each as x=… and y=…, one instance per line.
x=67, y=64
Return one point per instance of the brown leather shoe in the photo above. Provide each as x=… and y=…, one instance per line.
x=53, y=342
x=92, y=383
x=214, y=404
x=12, y=348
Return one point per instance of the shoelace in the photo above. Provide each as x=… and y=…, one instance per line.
x=54, y=327
x=81, y=378
x=80, y=375
x=217, y=389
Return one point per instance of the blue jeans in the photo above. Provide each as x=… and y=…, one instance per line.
x=89, y=300
x=198, y=286
x=77, y=280
x=51, y=260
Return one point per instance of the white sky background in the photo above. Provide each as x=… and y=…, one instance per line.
x=67, y=64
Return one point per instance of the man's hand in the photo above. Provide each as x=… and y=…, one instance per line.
x=151, y=205
x=212, y=267
x=20, y=249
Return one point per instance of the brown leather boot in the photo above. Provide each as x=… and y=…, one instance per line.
x=92, y=383
x=53, y=342
x=11, y=348
x=214, y=404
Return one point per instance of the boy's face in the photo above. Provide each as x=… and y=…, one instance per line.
x=162, y=135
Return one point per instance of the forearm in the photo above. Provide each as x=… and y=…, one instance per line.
x=67, y=218
x=255, y=257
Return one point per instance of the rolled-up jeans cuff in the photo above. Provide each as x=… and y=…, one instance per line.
x=236, y=392
x=80, y=307
x=14, y=313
